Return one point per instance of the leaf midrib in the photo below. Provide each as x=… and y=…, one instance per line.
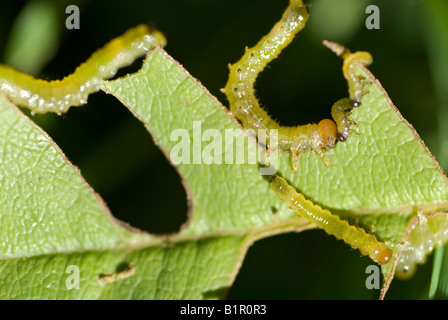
x=294, y=223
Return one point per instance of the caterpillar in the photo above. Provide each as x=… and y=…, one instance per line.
x=316, y=137
x=350, y=60
x=246, y=108
x=356, y=237
x=42, y=96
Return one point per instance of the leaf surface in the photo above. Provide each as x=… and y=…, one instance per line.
x=51, y=219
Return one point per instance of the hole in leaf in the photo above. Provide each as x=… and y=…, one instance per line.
x=123, y=267
x=122, y=271
x=118, y=158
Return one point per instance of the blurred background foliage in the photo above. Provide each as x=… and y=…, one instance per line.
x=121, y=162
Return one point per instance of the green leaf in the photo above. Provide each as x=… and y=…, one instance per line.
x=51, y=220
x=46, y=206
x=223, y=196
x=382, y=177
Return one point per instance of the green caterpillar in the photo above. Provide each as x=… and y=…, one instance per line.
x=357, y=238
x=58, y=96
x=310, y=137
x=246, y=108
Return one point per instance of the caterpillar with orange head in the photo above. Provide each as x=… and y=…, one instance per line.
x=310, y=137
x=42, y=96
x=246, y=108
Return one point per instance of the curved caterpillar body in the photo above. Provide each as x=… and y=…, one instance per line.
x=246, y=108
x=59, y=95
x=357, y=238
x=316, y=137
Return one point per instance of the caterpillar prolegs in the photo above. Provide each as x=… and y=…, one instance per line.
x=310, y=137
x=59, y=95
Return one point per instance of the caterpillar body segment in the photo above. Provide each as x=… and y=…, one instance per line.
x=356, y=237
x=42, y=96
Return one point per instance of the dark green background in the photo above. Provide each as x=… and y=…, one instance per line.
x=118, y=157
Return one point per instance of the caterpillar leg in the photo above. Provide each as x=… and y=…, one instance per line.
x=296, y=152
x=356, y=237
x=321, y=154
x=311, y=137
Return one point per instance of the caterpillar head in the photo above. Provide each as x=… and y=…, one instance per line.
x=327, y=131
